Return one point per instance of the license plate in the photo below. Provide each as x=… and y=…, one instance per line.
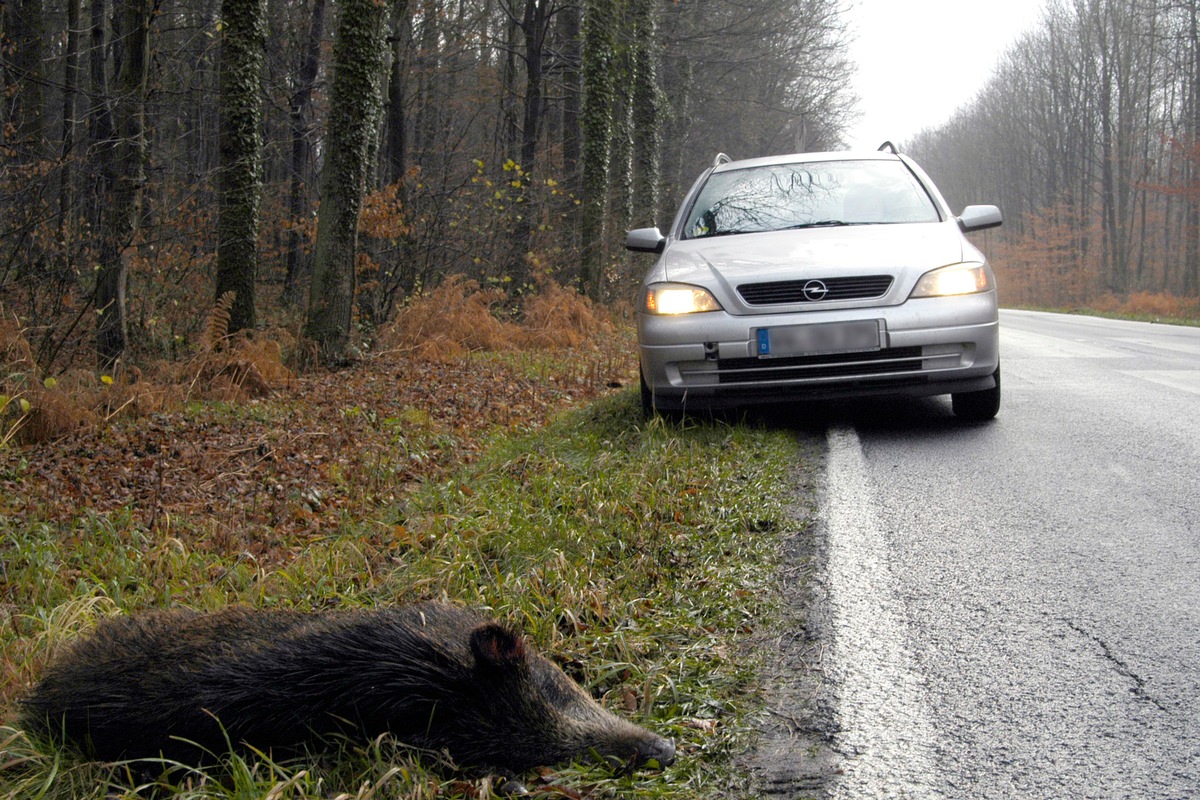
x=825, y=338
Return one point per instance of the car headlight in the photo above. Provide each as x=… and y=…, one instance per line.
x=678, y=298
x=952, y=280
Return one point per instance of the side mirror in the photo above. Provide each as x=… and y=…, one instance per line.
x=978, y=218
x=645, y=240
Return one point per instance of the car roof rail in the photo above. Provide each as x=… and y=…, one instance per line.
x=721, y=159
x=891, y=148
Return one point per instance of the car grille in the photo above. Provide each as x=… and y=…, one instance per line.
x=892, y=362
x=849, y=288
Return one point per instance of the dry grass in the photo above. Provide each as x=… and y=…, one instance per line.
x=447, y=322
x=442, y=325
x=558, y=316
x=1149, y=305
x=43, y=408
x=459, y=317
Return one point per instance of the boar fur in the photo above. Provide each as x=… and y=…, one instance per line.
x=184, y=685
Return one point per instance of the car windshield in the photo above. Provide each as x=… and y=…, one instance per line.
x=803, y=195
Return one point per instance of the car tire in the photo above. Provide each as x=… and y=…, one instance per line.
x=978, y=406
x=648, y=409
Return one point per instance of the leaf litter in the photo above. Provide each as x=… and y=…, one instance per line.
x=236, y=440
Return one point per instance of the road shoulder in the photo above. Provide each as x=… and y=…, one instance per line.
x=792, y=756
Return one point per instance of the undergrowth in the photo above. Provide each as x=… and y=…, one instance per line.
x=445, y=324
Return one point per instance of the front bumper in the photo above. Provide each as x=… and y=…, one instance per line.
x=929, y=346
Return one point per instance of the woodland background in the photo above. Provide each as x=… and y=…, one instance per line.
x=315, y=164
x=1088, y=137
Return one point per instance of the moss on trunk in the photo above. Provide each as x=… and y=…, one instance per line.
x=240, y=180
x=354, y=114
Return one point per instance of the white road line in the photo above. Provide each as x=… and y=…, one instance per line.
x=884, y=728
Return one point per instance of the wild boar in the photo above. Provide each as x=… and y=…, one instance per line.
x=187, y=685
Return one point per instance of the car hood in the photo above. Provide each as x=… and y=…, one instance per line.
x=903, y=251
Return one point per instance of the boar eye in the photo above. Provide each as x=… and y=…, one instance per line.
x=557, y=688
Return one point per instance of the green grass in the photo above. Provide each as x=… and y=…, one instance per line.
x=639, y=554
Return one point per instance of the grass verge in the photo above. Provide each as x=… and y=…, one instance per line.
x=1188, y=316
x=640, y=555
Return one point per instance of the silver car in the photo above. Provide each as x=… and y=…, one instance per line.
x=815, y=276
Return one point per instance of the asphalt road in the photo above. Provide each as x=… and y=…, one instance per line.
x=1014, y=607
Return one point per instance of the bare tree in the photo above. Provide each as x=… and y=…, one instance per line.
x=746, y=79
x=299, y=131
x=1086, y=135
x=123, y=175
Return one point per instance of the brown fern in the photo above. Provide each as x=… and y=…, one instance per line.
x=216, y=327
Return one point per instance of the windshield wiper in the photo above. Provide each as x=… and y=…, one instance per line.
x=711, y=234
x=820, y=223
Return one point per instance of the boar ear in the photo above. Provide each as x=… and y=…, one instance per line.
x=496, y=646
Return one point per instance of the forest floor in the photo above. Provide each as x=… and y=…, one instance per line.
x=322, y=448
x=236, y=435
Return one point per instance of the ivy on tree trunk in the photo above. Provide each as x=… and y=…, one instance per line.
x=354, y=114
x=599, y=36
x=240, y=181
x=647, y=116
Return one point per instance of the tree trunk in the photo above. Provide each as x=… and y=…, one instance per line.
x=647, y=122
x=66, y=190
x=508, y=91
x=240, y=178
x=298, y=110
x=123, y=178
x=395, y=128
x=100, y=124
x=534, y=25
x=353, y=118
x=428, y=64
x=568, y=36
x=24, y=53
x=599, y=97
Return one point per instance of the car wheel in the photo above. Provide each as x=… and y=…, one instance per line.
x=648, y=409
x=978, y=406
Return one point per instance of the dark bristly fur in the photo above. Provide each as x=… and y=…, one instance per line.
x=434, y=676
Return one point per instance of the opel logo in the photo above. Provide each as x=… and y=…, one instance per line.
x=815, y=290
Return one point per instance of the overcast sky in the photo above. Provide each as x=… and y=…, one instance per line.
x=920, y=60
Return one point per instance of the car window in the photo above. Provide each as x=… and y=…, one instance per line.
x=820, y=193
